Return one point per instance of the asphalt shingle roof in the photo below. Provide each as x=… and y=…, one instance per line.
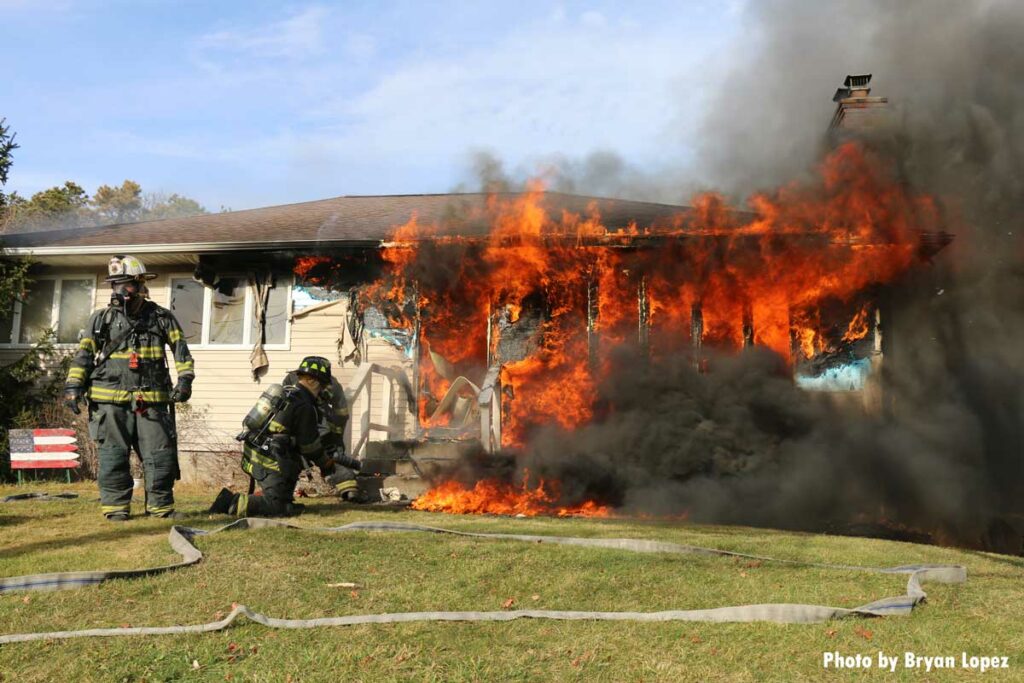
x=367, y=219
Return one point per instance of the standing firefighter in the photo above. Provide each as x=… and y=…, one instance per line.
x=282, y=431
x=121, y=368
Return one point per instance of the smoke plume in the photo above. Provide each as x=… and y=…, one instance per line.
x=742, y=444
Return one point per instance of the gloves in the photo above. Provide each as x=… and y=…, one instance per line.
x=72, y=397
x=182, y=391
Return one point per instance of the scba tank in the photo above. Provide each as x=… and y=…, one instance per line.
x=269, y=402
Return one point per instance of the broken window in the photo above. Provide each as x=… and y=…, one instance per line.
x=227, y=315
x=276, y=325
x=187, y=298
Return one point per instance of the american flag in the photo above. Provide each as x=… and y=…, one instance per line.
x=43, y=448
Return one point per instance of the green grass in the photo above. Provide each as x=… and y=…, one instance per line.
x=285, y=574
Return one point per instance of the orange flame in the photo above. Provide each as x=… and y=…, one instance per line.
x=493, y=497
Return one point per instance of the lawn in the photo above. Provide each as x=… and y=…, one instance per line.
x=285, y=573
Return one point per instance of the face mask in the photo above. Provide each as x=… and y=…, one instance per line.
x=125, y=292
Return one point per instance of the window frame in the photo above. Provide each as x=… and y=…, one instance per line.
x=58, y=279
x=247, y=344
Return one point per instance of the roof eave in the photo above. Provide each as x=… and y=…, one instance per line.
x=187, y=247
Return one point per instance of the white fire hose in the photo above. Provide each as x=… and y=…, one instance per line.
x=181, y=540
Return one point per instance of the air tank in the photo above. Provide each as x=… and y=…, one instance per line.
x=266, y=405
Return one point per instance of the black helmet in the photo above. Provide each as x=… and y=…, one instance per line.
x=317, y=367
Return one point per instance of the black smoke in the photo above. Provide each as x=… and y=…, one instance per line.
x=741, y=444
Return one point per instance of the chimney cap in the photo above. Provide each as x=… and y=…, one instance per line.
x=860, y=81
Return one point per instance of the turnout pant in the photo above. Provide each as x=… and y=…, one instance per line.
x=278, y=489
x=117, y=429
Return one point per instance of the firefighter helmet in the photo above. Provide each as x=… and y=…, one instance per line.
x=124, y=268
x=317, y=367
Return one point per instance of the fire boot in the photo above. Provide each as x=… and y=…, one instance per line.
x=343, y=480
x=225, y=503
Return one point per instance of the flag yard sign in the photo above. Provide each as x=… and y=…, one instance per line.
x=43, y=449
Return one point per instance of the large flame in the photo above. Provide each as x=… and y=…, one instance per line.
x=734, y=278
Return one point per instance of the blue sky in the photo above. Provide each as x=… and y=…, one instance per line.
x=245, y=104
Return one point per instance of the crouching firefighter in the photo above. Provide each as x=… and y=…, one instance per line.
x=121, y=368
x=281, y=432
x=333, y=411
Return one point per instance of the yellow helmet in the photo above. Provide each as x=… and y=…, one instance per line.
x=123, y=268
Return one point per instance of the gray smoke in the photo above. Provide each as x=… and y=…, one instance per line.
x=601, y=173
x=741, y=443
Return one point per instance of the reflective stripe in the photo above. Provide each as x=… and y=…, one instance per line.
x=264, y=461
x=105, y=395
x=88, y=344
x=275, y=426
x=148, y=352
x=343, y=412
x=347, y=485
x=174, y=336
x=243, y=504
x=159, y=510
x=184, y=366
x=76, y=373
x=107, y=509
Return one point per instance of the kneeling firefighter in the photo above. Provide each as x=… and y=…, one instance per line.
x=280, y=433
x=333, y=410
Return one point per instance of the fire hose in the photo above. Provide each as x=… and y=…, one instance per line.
x=181, y=539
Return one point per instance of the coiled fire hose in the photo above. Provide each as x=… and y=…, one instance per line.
x=181, y=540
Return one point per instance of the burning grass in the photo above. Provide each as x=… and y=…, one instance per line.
x=495, y=497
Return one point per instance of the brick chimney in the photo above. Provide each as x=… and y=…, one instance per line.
x=856, y=110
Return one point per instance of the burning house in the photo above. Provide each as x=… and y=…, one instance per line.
x=467, y=322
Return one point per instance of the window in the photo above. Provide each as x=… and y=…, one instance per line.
x=74, y=309
x=6, y=325
x=37, y=311
x=217, y=317
x=277, y=317
x=62, y=304
x=187, y=298
x=228, y=315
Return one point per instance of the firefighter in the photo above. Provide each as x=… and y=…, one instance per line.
x=333, y=410
x=121, y=368
x=273, y=454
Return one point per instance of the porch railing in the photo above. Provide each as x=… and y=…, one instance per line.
x=489, y=401
x=362, y=387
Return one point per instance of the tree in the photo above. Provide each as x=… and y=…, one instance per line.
x=156, y=205
x=118, y=204
x=61, y=206
x=7, y=147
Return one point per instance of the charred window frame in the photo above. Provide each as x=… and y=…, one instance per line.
x=200, y=326
x=59, y=302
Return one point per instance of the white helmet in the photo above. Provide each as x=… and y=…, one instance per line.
x=123, y=268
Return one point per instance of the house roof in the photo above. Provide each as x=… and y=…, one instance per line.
x=357, y=221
